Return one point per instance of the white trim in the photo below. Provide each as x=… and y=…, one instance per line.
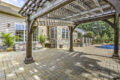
x=65, y=33
x=24, y=36
x=54, y=32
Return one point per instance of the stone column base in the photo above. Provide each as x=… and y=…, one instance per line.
x=71, y=50
x=29, y=60
x=115, y=56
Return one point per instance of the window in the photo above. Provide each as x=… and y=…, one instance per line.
x=52, y=32
x=20, y=32
x=65, y=33
x=35, y=35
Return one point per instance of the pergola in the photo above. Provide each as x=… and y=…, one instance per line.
x=69, y=13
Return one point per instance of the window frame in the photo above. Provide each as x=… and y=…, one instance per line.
x=24, y=32
x=66, y=33
x=53, y=33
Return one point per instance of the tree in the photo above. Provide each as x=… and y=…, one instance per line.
x=99, y=28
x=98, y=39
x=106, y=38
x=89, y=34
x=111, y=39
x=8, y=40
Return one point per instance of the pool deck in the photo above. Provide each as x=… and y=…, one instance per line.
x=86, y=63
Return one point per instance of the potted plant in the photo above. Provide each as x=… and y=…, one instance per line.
x=8, y=40
x=42, y=40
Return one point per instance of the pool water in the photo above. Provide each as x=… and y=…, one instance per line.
x=107, y=47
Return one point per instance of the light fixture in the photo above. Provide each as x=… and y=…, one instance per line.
x=8, y=25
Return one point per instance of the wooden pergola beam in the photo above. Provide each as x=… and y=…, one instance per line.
x=95, y=19
x=62, y=12
x=71, y=8
x=115, y=4
x=81, y=4
x=110, y=23
x=97, y=4
x=52, y=22
x=57, y=4
x=86, y=12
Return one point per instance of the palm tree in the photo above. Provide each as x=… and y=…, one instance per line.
x=7, y=39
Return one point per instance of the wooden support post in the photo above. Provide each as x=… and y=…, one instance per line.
x=71, y=36
x=115, y=26
x=71, y=39
x=116, y=36
x=48, y=36
x=29, y=58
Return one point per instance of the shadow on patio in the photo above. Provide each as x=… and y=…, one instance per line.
x=54, y=64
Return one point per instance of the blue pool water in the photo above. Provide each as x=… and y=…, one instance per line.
x=107, y=47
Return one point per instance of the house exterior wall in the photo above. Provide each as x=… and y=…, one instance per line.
x=10, y=20
x=58, y=41
x=6, y=19
x=53, y=38
x=42, y=30
x=75, y=36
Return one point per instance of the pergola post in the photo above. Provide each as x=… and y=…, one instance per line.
x=71, y=39
x=116, y=36
x=115, y=26
x=29, y=58
x=48, y=36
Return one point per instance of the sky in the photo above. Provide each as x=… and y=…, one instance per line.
x=18, y=3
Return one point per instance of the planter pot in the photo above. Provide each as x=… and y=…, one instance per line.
x=9, y=49
x=60, y=46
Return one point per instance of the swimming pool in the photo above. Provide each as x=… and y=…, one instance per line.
x=107, y=47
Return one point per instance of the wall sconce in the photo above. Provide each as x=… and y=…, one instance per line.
x=8, y=25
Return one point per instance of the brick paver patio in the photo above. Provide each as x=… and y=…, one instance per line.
x=87, y=63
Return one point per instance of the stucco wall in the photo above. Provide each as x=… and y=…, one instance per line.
x=75, y=36
x=60, y=41
x=64, y=42
x=43, y=30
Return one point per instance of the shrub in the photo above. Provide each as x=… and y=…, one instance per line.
x=7, y=39
x=42, y=39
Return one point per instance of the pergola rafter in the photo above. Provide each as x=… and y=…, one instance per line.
x=87, y=12
x=51, y=22
x=98, y=5
x=70, y=13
